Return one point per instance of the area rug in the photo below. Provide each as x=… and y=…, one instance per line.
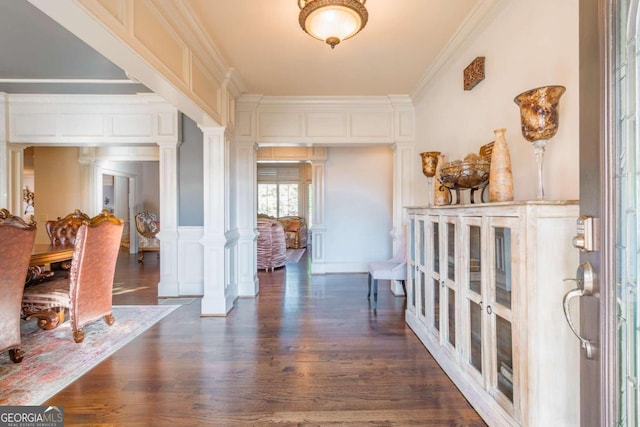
x=53, y=360
x=176, y=301
x=294, y=255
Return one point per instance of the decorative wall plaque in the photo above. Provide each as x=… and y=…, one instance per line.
x=474, y=73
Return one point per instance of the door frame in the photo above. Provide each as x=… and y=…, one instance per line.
x=133, y=197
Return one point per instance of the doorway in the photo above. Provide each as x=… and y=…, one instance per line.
x=116, y=196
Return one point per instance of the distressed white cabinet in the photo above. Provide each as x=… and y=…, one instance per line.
x=485, y=289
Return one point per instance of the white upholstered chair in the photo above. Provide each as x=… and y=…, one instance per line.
x=392, y=269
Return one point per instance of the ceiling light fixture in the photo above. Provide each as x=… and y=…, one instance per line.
x=332, y=20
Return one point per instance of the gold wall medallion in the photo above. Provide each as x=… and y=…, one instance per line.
x=474, y=73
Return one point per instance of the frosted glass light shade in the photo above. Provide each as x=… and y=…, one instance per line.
x=332, y=20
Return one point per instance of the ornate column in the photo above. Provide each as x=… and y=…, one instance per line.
x=318, y=227
x=246, y=179
x=89, y=186
x=168, y=235
x=218, y=295
x=16, y=166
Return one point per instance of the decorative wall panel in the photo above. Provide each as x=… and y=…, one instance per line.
x=205, y=86
x=190, y=261
x=115, y=8
x=166, y=124
x=280, y=125
x=81, y=125
x=374, y=125
x=133, y=125
x=84, y=119
x=150, y=29
x=245, y=124
x=326, y=124
x=26, y=125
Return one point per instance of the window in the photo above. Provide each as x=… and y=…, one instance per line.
x=278, y=200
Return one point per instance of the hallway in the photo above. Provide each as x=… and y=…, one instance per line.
x=306, y=351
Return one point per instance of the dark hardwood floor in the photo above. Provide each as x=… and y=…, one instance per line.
x=307, y=351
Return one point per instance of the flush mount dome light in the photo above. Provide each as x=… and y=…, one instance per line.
x=332, y=20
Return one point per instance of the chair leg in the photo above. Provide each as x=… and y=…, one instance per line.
x=369, y=284
x=375, y=293
x=78, y=335
x=16, y=355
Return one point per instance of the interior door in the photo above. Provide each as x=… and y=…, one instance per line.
x=597, y=169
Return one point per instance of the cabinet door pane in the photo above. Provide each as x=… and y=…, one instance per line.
x=412, y=233
x=505, y=357
x=436, y=248
x=475, y=329
x=474, y=259
x=451, y=252
x=412, y=290
x=421, y=242
x=452, y=316
x=436, y=304
x=503, y=266
x=423, y=280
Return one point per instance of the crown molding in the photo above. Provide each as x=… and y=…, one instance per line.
x=482, y=14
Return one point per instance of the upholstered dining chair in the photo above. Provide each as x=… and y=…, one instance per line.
x=87, y=292
x=392, y=269
x=62, y=231
x=16, y=244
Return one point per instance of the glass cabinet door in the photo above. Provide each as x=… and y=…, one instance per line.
x=448, y=281
x=411, y=265
x=420, y=295
x=435, y=276
x=473, y=301
x=502, y=284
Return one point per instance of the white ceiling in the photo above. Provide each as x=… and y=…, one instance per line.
x=261, y=39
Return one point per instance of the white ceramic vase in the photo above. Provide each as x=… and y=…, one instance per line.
x=500, y=176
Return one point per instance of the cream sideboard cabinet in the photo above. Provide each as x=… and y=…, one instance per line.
x=485, y=288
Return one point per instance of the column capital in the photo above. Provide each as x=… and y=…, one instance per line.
x=213, y=130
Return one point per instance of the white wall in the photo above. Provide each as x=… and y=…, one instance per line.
x=358, y=197
x=150, y=196
x=527, y=45
x=57, y=179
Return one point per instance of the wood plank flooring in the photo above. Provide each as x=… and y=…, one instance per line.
x=307, y=351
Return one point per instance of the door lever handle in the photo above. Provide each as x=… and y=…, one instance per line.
x=585, y=288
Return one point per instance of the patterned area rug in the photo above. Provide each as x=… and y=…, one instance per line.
x=53, y=360
x=294, y=255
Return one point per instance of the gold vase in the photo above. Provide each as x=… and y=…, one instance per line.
x=429, y=164
x=539, y=118
x=500, y=176
x=441, y=194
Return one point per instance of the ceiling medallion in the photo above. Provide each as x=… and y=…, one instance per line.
x=332, y=21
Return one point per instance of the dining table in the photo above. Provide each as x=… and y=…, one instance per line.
x=44, y=254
